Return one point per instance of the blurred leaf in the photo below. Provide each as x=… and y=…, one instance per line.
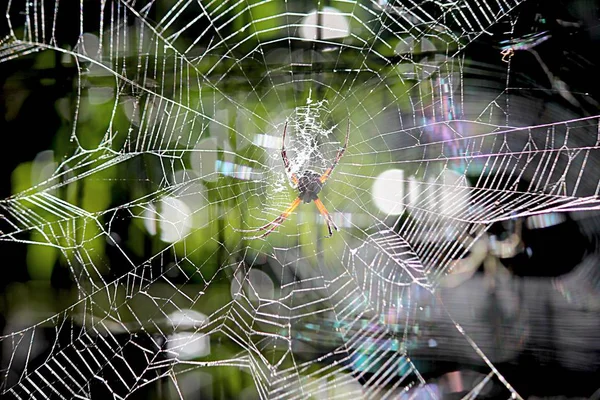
x=40, y=258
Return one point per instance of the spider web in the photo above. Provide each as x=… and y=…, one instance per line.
x=191, y=98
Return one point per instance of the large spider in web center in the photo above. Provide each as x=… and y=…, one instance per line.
x=309, y=184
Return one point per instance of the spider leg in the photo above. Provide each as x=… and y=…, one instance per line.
x=271, y=226
x=286, y=161
x=340, y=153
x=327, y=217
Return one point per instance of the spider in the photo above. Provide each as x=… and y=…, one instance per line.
x=309, y=184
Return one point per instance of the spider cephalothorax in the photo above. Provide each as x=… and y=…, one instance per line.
x=309, y=184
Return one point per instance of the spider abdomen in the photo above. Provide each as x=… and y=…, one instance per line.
x=309, y=186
